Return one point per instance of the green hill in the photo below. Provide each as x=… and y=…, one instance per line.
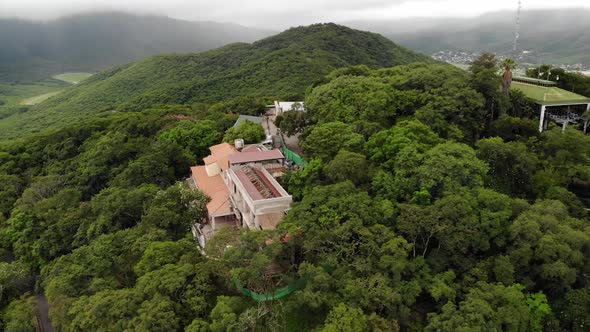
x=282, y=65
x=96, y=41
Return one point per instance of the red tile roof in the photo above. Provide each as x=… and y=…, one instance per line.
x=215, y=188
x=249, y=157
x=219, y=154
x=253, y=148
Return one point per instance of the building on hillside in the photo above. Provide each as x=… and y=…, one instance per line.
x=242, y=188
x=555, y=104
x=257, y=198
x=242, y=118
x=260, y=120
x=286, y=106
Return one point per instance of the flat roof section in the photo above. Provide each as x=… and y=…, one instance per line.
x=536, y=81
x=550, y=95
x=242, y=118
x=251, y=157
x=257, y=183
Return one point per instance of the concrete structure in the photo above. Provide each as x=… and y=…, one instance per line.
x=258, y=199
x=561, y=106
x=242, y=188
x=242, y=118
x=286, y=106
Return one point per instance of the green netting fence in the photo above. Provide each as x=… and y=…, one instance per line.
x=291, y=155
x=294, y=157
x=276, y=294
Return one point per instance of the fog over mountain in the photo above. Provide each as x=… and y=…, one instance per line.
x=557, y=36
x=278, y=14
x=90, y=42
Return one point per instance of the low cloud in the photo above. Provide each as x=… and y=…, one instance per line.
x=270, y=13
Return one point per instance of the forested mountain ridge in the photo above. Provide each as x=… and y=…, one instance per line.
x=96, y=41
x=429, y=202
x=283, y=65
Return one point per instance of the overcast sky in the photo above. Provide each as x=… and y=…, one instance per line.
x=278, y=13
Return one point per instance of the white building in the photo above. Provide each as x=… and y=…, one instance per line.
x=286, y=106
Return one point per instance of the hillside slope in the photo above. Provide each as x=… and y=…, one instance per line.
x=91, y=42
x=555, y=36
x=282, y=65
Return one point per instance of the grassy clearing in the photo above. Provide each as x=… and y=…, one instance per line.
x=548, y=95
x=72, y=78
x=37, y=99
x=16, y=99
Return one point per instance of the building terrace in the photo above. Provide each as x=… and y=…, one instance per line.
x=242, y=188
x=559, y=105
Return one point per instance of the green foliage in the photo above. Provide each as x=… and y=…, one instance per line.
x=402, y=220
x=325, y=140
x=19, y=316
x=194, y=137
x=547, y=246
x=292, y=123
x=570, y=81
x=492, y=307
x=344, y=318
x=512, y=166
x=352, y=98
x=348, y=166
x=514, y=129
x=282, y=65
x=247, y=130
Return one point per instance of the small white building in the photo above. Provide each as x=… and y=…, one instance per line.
x=287, y=106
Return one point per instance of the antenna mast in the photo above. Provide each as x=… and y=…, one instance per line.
x=517, y=28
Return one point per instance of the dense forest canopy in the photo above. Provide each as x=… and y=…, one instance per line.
x=429, y=202
x=279, y=66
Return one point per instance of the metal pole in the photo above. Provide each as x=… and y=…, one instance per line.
x=542, y=118
x=587, y=114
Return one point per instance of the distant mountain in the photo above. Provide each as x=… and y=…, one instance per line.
x=91, y=42
x=556, y=36
x=282, y=65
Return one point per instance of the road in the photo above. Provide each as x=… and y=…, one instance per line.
x=292, y=142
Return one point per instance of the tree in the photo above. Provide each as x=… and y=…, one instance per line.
x=345, y=318
x=446, y=168
x=19, y=316
x=512, y=166
x=247, y=130
x=195, y=137
x=325, y=140
x=507, y=65
x=485, y=80
x=492, y=307
x=547, y=247
x=348, y=166
x=352, y=98
x=292, y=123
x=384, y=147
x=14, y=280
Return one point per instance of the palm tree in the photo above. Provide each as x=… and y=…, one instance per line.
x=508, y=64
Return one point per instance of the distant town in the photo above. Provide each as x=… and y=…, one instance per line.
x=526, y=59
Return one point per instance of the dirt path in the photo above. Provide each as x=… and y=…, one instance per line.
x=292, y=142
x=43, y=314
